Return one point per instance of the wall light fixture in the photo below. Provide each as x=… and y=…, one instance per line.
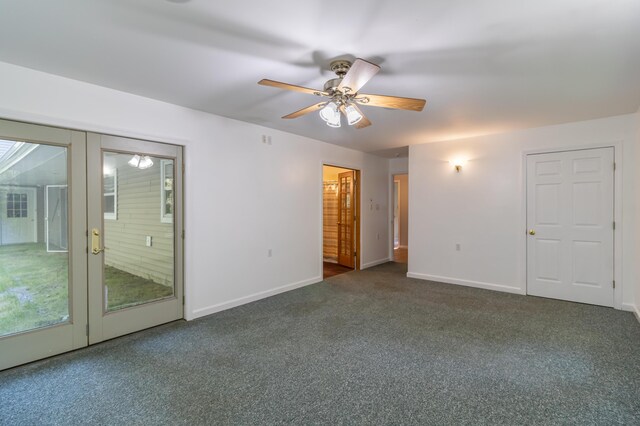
x=457, y=164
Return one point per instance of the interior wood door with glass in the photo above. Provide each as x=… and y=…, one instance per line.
x=43, y=268
x=135, y=235
x=346, y=219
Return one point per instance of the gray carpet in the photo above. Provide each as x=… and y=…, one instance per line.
x=370, y=347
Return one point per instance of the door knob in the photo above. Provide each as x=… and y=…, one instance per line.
x=95, y=241
x=532, y=232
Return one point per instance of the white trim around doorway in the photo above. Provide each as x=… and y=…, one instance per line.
x=321, y=221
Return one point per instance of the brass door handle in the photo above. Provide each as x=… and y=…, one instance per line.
x=95, y=241
x=532, y=232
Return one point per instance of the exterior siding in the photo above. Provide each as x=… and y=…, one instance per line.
x=138, y=216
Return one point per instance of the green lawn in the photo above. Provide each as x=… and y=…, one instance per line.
x=33, y=288
x=126, y=289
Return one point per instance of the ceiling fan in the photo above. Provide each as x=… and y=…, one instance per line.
x=344, y=96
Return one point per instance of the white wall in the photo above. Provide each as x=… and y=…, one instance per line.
x=636, y=162
x=242, y=196
x=482, y=208
x=399, y=165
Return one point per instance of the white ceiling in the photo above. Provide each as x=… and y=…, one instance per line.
x=483, y=66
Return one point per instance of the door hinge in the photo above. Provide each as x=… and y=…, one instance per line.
x=614, y=283
x=183, y=234
x=87, y=331
x=614, y=225
x=614, y=166
x=183, y=298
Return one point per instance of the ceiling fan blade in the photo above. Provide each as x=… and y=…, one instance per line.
x=394, y=102
x=364, y=121
x=360, y=72
x=306, y=110
x=286, y=86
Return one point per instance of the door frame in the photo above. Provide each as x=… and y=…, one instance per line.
x=617, y=212
x=358, y=200
x=396, y=206
x=391, y=178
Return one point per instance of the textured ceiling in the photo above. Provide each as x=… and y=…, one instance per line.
x=483, y=66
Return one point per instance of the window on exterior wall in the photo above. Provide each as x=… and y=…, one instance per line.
x=110, y=191
x=166, y=179
x=17, y=205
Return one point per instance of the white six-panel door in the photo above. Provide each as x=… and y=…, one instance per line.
x=570, y=229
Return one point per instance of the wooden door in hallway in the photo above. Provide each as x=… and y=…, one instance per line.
x=346, y=219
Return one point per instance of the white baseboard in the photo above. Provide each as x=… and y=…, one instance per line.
x=628, y=307
x=201, y=312
x=375, y=263
x=631, y=308
x=468, y=283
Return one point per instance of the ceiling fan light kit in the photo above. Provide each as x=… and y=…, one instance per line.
x=329, y=112
x=344, y=96
x=353, y=116
x=141, y=161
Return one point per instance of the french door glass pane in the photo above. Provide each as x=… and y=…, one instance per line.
x=138, y=240
x=34, y=282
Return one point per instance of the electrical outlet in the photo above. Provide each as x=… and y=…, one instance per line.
x=148, y=241
x=457, y=246
x=269, y=253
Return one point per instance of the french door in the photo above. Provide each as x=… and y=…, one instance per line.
x=346, y=219
x=43, y=295
x=570, y=198
x=135, y=250
x=103, y=256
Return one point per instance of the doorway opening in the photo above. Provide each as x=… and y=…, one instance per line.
x=340, y=220
x=400, y=218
